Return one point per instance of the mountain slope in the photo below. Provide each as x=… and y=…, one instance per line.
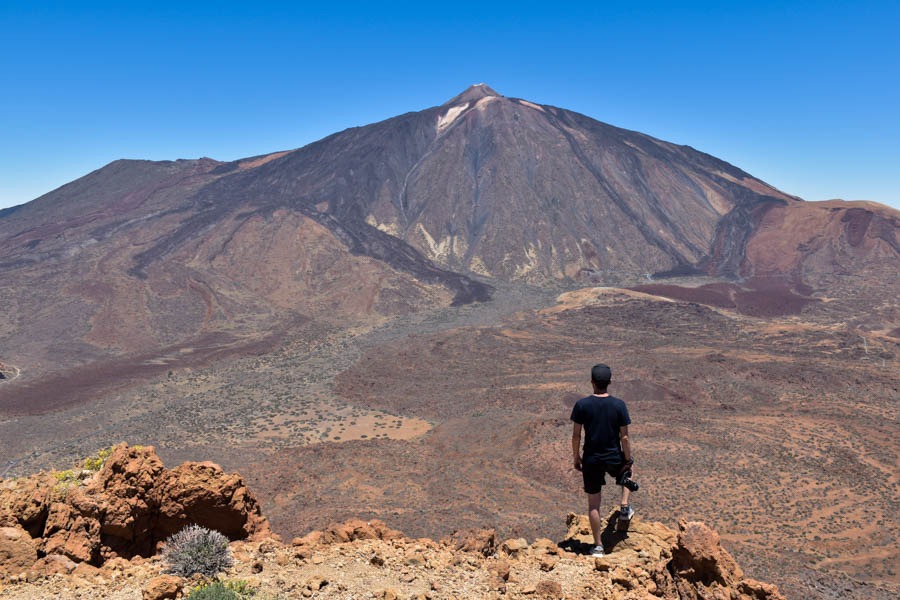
x=420, y=210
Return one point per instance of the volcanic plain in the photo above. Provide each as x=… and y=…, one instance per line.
x=779, y=432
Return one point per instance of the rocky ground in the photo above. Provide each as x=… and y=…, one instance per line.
x=44, y=557
x=736, y=419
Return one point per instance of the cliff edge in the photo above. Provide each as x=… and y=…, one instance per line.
x=96, y=532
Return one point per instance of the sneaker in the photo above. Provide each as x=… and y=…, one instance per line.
x=625, y=513
x=597, y=551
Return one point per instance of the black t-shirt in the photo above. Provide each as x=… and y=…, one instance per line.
x=601, y=418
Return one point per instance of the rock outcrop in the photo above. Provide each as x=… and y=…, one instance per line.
x=124, y=503
x=55, y=527
x=690, y=564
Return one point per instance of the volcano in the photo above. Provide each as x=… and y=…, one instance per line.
x=181, y=261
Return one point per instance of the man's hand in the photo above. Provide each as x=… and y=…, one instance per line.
x=577, y=463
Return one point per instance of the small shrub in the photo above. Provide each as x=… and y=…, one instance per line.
x=212, y=591
x=241, y=587
x=65, y=480
x=95, y=463
x=197, y=549
x=67, y=477
x=217, y=590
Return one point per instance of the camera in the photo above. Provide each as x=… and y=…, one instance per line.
x=625, y=480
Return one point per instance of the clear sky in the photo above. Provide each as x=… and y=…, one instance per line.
x=804, y=95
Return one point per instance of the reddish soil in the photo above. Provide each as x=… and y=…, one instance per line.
x=762, y=297
x=784, y=416
x=85, y=384
x=735, y=419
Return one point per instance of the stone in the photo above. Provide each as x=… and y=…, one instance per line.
x=163, y=587
x=758, y=590
x=622, y=577
x=316, y=583
x=548, y=563
x=415, y=558
x=53, y=564
x=501, y=569
x=544, y=546
x=310, y=539
x=203, y=494
x=17, y=550
x=71, y=533
x=700, y=558
x=482, y=541
x=356, y=529
x=548, y=589
x=514, y=547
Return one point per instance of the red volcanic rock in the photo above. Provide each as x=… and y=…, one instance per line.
x=162, y=588
x=356, y=529
x=548, y=589
x=202, y=493
x=700, y=557
x=483, y=541
x=126, y=509
x=52, y=564
x=17, y=550
x=689, y=565
x=648, y=561
x=24, y=502
x=72, y=533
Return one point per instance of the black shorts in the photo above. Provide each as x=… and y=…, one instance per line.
x=594, y=475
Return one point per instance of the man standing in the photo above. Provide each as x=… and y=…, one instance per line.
x=605, y=421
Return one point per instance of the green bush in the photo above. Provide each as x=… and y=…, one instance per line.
x=213, y=591
x=216, y=590
x=197, y=549
x=95, y=463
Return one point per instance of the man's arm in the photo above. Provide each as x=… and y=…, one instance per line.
x=626, y=443
x=576, y=446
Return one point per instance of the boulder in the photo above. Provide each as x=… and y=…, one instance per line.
x=24, y=501
x=649, y=557
x=699, y=557
x=126, y=483
x=17, y=551
x=71, y=533
x=514, y=547
x=202, y=493
x=127, y=508
x=163, y=587
x=52, y=564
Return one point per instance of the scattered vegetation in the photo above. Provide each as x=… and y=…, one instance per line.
x=239, y=589
x=69, y=478
x=96, y=462
x=196, y=549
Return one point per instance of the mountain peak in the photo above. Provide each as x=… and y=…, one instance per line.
x=473, y=93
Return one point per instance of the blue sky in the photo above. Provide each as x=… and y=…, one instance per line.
x=804, y=95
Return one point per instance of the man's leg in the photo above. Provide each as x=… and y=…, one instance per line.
x=594, y=516
x=625, y=510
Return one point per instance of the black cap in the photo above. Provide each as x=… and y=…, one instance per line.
x=601, y=373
